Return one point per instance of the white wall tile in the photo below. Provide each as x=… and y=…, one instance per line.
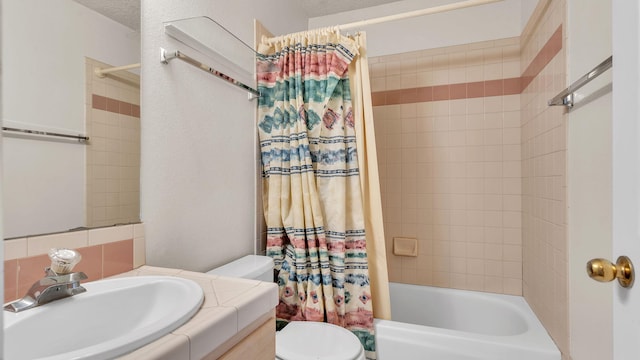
x=42, y=244
x=15, y=249
x=452, y=155
x=110, y=234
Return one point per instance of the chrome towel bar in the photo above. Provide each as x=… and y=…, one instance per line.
x=166, y=56
x=80, y=138
x=565, y=97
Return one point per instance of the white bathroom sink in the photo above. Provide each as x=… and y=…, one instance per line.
x=114, y=317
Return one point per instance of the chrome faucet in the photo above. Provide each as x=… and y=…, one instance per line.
x=58, y=283
x=50, y=288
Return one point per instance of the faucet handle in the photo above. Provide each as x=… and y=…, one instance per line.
x=63, y=260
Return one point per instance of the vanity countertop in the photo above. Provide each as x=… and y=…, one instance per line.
x=230, y=306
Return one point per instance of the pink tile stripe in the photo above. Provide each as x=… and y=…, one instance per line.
x=115, y=106
x=544, y=56
x=510, y=86
x=470, y=90
x=98, y=261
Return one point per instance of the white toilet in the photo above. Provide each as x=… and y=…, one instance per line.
x=254, y=267
x=299, y=339
x=308, y=340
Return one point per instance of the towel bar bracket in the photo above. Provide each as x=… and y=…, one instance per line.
x=566, y=97
x=568, y=100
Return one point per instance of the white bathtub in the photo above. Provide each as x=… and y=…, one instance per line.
x=447, y=324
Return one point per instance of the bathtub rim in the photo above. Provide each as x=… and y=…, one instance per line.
x=536, y=338
x=513, y=303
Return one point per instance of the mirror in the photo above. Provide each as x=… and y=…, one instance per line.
x=49, y=52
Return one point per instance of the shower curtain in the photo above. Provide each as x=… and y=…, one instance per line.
x=312, y=192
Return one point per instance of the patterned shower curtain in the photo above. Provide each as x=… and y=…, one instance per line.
x=311, y=186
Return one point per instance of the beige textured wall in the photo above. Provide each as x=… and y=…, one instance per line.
x=589, y=179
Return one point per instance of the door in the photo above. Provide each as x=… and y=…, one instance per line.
x=626, y=173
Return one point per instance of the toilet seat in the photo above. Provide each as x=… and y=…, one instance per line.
x=308, y=340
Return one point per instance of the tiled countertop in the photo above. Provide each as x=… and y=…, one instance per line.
x=229, y=306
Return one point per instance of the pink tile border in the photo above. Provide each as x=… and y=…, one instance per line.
x=500, y=87
x=117, y=257
x=550, y=49
x=114, y=106
x=91, y=263
x=470, y=90
x=10, y=280
x=30, y=270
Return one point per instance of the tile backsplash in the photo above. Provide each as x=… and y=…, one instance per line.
x=105, y=252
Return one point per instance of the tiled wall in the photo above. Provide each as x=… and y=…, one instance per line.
x=105, y=252
x=544, y=148
x=473, y=165
x=448, y=135
x=113, y=153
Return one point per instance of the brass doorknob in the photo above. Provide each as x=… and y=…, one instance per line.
x=603, y=270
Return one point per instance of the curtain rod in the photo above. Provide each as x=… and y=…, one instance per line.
x=103, y=72
x=406, y=15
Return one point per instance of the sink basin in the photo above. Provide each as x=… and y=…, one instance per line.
x=114, y=317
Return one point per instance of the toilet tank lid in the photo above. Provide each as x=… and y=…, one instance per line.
x=292, y=342
x=247, y=267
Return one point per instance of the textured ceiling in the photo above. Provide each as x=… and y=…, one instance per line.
x=127, y=12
